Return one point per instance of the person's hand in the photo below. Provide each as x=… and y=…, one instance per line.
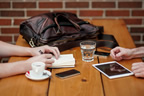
x=46, y=58
x=45, y=49
x=138, y=69
x=120, y=53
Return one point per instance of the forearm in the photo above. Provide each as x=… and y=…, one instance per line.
x=13, y=50
x=9, y=69
x=137, y=52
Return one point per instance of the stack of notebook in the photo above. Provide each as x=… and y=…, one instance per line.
x=65, y=60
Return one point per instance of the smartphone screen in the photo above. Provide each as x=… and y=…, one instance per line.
x=102, y=53
x=68, y=73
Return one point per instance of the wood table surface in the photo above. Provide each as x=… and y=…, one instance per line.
x=89, y=83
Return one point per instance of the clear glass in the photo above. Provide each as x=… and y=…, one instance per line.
x=87, y=50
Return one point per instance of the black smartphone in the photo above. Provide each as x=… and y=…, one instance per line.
x=67, y=73
x=101, y=53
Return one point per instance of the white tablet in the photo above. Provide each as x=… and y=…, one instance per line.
x=112, y=69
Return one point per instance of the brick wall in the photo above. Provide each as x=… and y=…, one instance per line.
x=12, y=12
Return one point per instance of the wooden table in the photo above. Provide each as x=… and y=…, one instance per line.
x=89, y=83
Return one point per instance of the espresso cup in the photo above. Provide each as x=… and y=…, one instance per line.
x=38, y=69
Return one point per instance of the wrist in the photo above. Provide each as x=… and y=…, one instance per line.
x=28, y=51
x=137, y=52
x=132, y=51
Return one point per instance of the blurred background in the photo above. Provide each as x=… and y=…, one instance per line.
x=13, y=12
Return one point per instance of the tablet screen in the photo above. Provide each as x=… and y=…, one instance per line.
x=113, y=69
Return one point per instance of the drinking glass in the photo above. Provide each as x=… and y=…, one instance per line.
x=87, y=50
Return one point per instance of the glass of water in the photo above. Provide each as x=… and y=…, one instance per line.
x=87, y=50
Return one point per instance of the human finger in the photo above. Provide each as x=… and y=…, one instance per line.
x=135, y=66
x=138, y=70
x=112, y=54
x=115, y=57
x=48, y=65
x=120, y=52
x=119, y=58
x=55, y=51
x=49, y=62
x=139, y=74
x=47, y=56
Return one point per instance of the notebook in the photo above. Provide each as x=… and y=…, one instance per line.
x=65, y=60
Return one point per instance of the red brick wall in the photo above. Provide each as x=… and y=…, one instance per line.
x=12, y=12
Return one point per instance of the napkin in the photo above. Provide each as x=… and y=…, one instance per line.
x=65, y=60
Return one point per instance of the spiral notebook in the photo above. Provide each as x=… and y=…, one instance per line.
x=65, y=60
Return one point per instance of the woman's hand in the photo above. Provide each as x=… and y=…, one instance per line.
x=44, y=50
x=46, y=58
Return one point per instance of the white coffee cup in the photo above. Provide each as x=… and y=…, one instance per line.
x=38, y=69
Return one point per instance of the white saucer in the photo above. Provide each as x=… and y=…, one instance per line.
x=45, y=76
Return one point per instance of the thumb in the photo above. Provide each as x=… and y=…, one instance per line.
x=119, y=54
